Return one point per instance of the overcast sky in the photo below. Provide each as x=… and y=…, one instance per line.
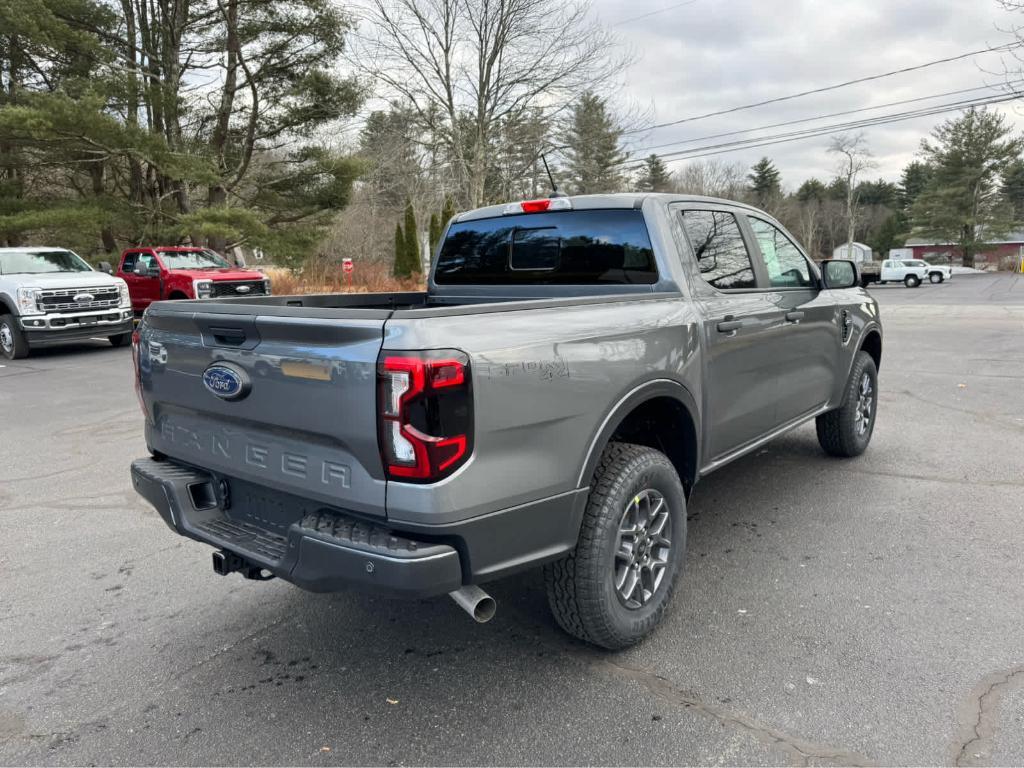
x=716, y=54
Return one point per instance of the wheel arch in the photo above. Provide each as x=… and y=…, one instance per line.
x=872, y=344
x=6, y=306
x=661, y=414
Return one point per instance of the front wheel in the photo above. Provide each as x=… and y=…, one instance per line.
x=935, y=277
x=846, y=431
x=13, y=345
x=911, y=281
x=120, y=339
x=614, y=588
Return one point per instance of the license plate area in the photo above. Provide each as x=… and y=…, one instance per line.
x=264, y=507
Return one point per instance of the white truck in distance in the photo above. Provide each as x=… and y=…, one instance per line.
x=52, y=295
x=912, y=272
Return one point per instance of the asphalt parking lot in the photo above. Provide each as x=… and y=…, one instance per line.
x=833, y=612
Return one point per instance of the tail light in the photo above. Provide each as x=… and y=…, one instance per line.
x=138, y=373
x=424, y=414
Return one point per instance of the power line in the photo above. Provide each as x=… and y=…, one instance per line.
x=824, y=117
x=652, y=13
x=823, y=89
x=764, y=141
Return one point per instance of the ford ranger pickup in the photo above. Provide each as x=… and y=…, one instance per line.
x=574, y=367
x=53, y=296
x=179, y=272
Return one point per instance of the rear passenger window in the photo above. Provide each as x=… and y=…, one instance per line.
x=787, y=267
x=721, y=253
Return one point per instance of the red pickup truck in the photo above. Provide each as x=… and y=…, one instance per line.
x=173, y=272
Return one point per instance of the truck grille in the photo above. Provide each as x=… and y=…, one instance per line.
x=78, y=299
x=238, y=288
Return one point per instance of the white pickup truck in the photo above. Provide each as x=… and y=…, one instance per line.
x=52, y=295
x=912, y=272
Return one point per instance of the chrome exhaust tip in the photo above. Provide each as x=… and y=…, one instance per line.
x=475, y=602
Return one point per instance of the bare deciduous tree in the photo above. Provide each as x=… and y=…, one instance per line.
x=715, y=178
x=467, y=67
x=854, y=158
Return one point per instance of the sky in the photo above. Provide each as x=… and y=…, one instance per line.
x=710, y=55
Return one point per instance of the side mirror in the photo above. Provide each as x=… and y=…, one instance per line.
x=839, y=273
x=143, y=271
x=105, y=267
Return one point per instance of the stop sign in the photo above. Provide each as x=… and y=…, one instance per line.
x=346, y=266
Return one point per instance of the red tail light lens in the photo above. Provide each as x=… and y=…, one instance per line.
x=425, y=414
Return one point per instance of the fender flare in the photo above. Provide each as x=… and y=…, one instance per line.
x=7, y=306
x=638, y=395
x=867, y=330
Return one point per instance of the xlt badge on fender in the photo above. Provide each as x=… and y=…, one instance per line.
x=227, y=381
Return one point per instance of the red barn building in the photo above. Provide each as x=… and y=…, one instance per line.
x=1003, y=253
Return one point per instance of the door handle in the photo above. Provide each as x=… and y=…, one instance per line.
x=794, y=317
x=729, y=326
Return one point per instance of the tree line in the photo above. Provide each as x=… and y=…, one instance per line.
x=300, y=128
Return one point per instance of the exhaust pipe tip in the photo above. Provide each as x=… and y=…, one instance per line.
x=475, y=602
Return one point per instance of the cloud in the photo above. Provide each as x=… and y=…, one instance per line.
x=713, y=55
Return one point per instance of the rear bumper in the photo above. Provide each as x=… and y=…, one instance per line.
x=323, y=552
x=328, y=550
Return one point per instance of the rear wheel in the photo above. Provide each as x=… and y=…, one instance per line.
x=13, y=345
x=120, y=339
x=846, y=431
x=935, y=277
x=616, y=585
x=911, y=281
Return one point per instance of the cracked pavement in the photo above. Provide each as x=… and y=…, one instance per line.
x=833, y=612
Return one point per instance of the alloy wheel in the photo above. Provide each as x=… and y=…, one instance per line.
x=865, y=404
x=643, y=548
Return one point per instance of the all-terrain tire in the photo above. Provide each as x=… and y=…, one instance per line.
x=935, y=277
x=911, y=281
x=581, y=586
x=13, y=345
x=839, y=431
x=119, y=339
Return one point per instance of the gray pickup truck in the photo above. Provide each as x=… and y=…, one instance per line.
x=574, y=367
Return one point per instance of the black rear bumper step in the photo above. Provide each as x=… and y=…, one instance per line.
x=325, y=551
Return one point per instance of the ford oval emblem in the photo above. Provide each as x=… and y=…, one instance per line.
x=226, y=381
x=82, y=298
x=243, y=289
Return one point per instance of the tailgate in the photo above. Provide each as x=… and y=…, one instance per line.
x=284, y=401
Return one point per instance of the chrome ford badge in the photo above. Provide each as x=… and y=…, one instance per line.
x=82, y=298
x=242, y=289
x=227, y=381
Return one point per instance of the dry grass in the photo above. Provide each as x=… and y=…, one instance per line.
x=318, y=277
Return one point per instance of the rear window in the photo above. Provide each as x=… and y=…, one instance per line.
x=559, y=248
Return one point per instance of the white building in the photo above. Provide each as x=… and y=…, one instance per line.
x=859, y=252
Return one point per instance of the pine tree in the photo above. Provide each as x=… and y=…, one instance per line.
x=435, y=233
x=962, y=202
x=913, y=181
x=447, y=213
x=765, y=182
x=413, y=262
x=593, y=152
x=654, y=176
x=399, y=268
x=1013, y=189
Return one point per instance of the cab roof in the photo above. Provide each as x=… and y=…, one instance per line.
x=606, y=201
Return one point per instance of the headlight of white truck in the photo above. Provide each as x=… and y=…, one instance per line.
x=126, y=297
x=28, y=301
x=203, y=288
